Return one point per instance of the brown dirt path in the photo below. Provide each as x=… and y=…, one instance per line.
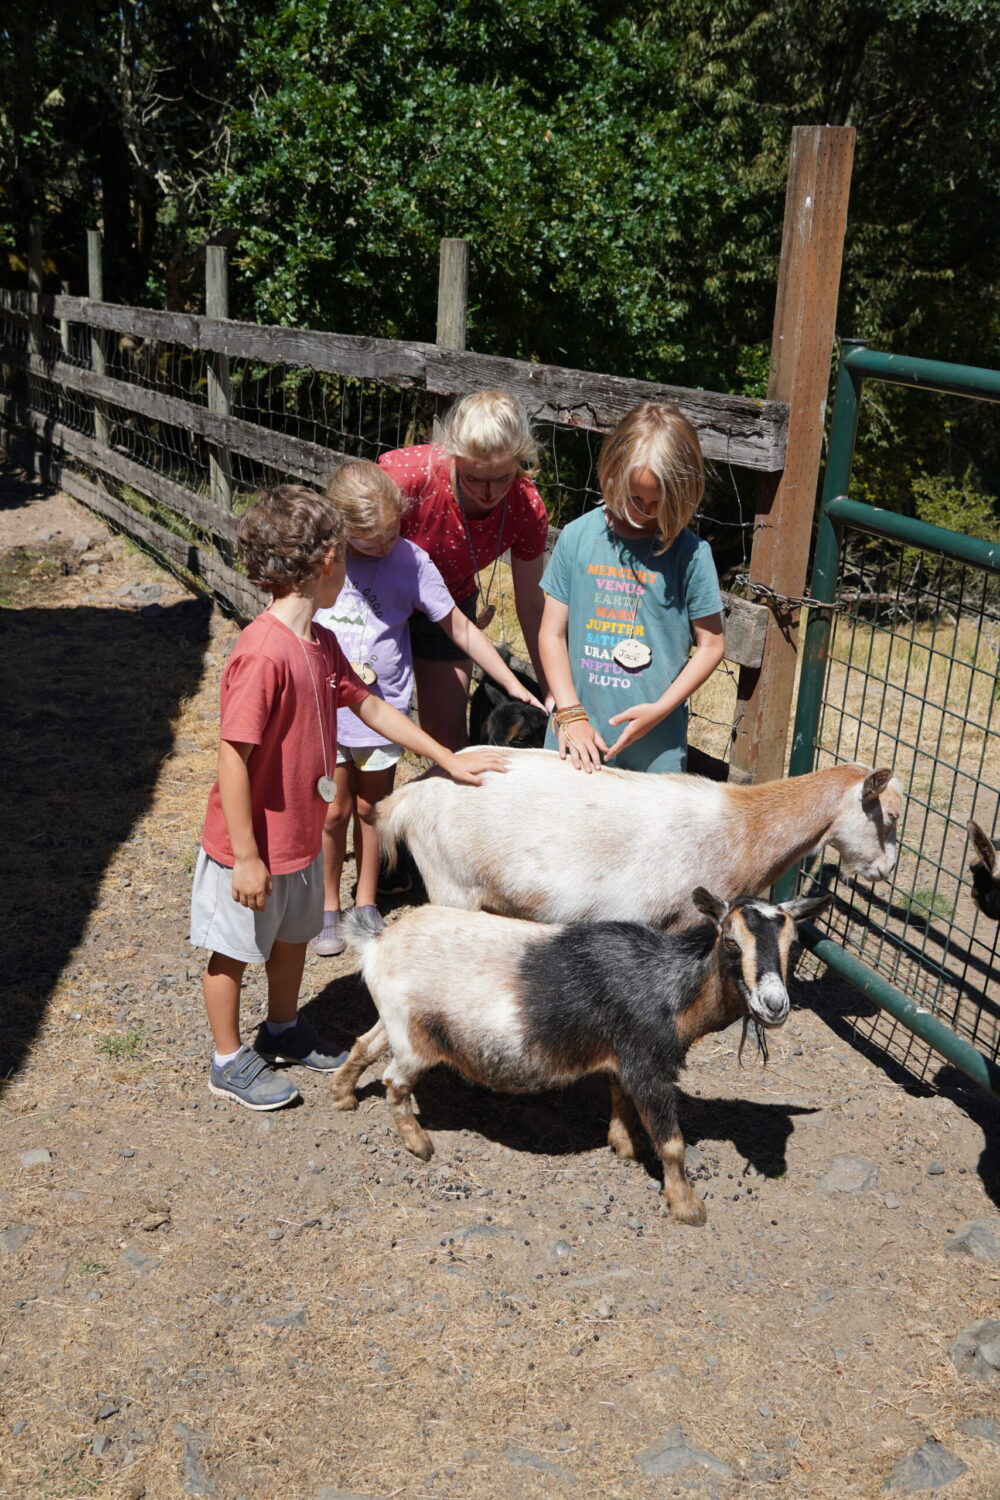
x=198, y=1301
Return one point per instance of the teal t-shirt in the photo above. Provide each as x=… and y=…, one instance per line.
x=614, y=588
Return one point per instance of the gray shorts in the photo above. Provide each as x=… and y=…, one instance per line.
x=293, y=914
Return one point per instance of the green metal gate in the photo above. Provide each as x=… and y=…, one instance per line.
x=900, y=668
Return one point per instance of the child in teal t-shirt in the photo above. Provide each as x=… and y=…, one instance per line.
x=628, y=589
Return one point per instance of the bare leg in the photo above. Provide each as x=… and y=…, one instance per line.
x=442, y=699
x=221, y=982
x=335, y=835
x=284, y=980
x=365, y=1051
x=624, y=1122
x=370, y=788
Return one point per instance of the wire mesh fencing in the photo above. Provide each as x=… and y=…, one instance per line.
x=912, y=683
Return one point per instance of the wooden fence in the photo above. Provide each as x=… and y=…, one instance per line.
x=66, y=391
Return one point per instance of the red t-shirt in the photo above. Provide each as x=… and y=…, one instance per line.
x=268, y=700
x=435, y=522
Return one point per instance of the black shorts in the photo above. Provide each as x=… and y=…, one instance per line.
x=429, y=642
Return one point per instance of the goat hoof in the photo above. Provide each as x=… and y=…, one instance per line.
x=693, y=1213
x=418, y=1142
x=344, y=1101
x=622, y=1145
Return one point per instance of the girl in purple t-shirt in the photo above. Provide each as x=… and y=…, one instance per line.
x=387, y=579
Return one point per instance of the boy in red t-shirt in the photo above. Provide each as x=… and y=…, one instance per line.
x=258, y=886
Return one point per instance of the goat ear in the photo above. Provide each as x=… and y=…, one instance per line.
x=875, y=784
x=806, y=906
x=709, y=905
x=495, y=693
x=983, y=846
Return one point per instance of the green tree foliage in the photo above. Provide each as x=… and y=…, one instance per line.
x=619, y=171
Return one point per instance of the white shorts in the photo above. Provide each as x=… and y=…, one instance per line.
x=369, y=757
x=293, y=914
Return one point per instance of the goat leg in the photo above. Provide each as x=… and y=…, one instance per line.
x=658, y=1113
x=411, y=1132
x=623, y=1125
x=366, y=1050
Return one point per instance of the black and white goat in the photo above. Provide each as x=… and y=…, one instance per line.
x=524, y=1007
x=985, y=872
x=495, y=718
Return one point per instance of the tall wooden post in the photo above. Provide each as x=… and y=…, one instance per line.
x=64, y=322
x=819, y=180
x=98, y=356
x=35, y=276
x=453, y=294
x=217, y=306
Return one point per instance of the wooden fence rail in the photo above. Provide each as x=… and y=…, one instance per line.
x=732, y=429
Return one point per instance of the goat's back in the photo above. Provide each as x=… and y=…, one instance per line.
x=552, y=844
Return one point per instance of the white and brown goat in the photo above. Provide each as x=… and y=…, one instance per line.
x=547, y=842
x=524, y=1006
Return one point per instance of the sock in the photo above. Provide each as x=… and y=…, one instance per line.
x=221, y=1058
x=276, y=1028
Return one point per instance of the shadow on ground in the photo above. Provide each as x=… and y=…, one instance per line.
x=89, y=696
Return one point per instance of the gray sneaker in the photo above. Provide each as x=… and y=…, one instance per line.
x=299, y=1044
x=251, y=1082
x=329, y=941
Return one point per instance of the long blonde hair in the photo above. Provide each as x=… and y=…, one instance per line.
x=660, y=438
x=366, y=498
x=487, y=425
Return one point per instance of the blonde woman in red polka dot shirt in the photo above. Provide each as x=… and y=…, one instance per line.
x=472, y=498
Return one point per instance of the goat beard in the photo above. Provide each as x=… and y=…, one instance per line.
x=761, y=1040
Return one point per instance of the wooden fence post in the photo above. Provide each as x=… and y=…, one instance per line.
x=453, y=294
x=98, y=355
x=35, y=276
x=217, y=306
x=64, y=322
x=819, y=180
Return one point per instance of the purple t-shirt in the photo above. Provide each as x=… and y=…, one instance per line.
x=370, y=619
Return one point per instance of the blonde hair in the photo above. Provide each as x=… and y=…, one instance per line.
x=659, y=438
x=366, y=498
x=488, y=425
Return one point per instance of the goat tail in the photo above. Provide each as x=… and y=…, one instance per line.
x=356, y=932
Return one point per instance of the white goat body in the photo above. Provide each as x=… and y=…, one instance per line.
x=546, y=842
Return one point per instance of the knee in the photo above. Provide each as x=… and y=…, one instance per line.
x=338, y=816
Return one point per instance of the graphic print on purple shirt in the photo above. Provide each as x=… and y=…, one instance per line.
x=370, y=618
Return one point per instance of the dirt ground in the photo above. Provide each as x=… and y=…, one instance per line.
x=197, y=1300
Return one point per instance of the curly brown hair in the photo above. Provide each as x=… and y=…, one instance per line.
x=284, y=537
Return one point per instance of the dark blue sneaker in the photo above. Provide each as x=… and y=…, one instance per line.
x=298, y=1044
x=251, y=1082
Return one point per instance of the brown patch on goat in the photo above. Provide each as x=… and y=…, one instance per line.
x=682, y=1200
x=624, y=1123
x=411, y=1133
x=344, y=1080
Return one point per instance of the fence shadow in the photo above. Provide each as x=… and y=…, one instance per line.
x=89, y=696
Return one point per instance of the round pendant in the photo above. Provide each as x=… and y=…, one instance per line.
x=486, y=616
x=327, y=788
x=367, y=674
x=632, y=654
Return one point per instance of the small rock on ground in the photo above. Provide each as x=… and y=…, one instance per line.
x=929, y=1468
x=672, y=1453
x=971, y=1353
x=849, y=1174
